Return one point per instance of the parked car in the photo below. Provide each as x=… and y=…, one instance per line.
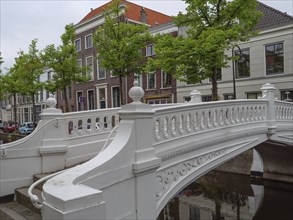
x=1, y=124
x=26, y=128
x=10, y=128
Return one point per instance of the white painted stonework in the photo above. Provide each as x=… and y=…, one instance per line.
x=54, y=145
x=155, y=153
x=158, y=151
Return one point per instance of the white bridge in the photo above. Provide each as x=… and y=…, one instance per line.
x=155, y=153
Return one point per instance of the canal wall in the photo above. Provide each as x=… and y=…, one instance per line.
x=277, y=162
x=238, y=165
x=9, y=137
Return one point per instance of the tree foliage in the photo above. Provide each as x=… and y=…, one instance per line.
x=63, y=62
x=24, y=77
x=1, y=79
x=9, y=86
x=214, y=26
x=119, y=44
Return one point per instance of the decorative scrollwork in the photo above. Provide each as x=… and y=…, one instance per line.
x=170, y=175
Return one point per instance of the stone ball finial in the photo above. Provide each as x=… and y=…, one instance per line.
x=51, y=102
x=136, y=93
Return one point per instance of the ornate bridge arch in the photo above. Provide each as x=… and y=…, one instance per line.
x=157, y=151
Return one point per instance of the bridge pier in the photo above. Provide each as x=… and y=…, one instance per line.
x=273, y=161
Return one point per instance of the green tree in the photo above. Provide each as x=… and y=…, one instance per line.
x=119, y=44
x=1, y=79
x=26, y=74
x=1, y=61
x=63, y=61
x=214, y=26
x=9, y=86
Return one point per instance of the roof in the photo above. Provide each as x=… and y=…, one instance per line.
x=272, y=18
x=133, y=13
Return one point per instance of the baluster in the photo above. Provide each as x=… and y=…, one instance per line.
x=173, y=125
x=195, y=121
x=188, y=122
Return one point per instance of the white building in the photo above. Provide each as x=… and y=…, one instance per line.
x=268, y=59
x=24, y=104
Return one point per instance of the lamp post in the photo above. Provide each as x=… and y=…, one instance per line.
x=233, y=69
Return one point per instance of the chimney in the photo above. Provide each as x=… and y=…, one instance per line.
x=143, y=16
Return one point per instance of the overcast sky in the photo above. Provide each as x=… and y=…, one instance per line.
x=25, y=20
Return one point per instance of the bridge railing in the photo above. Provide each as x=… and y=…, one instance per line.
x=173, y=122
x=283, y=111
x=127, y=168
x=60, y=140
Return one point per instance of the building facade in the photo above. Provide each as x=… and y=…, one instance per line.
x=24, y=105
x=266, y=58
x=103, y=90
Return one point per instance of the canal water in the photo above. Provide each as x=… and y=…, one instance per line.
x=225, y=196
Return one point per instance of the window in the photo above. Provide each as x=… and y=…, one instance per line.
x=88, y=41
x=151, y=80
x=138, y=78
x=115, y=97
x=287, y=95
x=158, y=101
x=79, y=100
x=102, y=97
x=79, y=63
x=274, y=59
x=242, y=68
x=26, y=114
x=89, y=65
x=206, y=98
x=228, y=96
x=90, y=101
x=253, y=95
x=78, y=45
x=49, y=75
x=41, y=95
x=166, y=80
x=69, y=92
x=101, y=70
x=150, y=50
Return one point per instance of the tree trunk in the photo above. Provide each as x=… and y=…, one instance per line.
x=14, y=107
x=66, y=109
x=218, y=208
x=215, y=85
x=34, y=109
x=121, y=91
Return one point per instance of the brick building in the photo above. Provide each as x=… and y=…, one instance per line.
x=102, y=91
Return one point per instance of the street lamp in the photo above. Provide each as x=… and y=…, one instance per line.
x=233, y=68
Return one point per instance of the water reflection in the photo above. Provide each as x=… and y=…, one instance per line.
x=224, y=196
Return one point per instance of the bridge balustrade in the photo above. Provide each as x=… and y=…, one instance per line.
x=284, y=111
x=173, y=122
x=89, y=122
x=158, y=150
x=60, y=140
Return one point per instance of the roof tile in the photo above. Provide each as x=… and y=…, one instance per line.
x=133, y=13
x=272, y=17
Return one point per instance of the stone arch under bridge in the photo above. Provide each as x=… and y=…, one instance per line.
x=158, y=150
